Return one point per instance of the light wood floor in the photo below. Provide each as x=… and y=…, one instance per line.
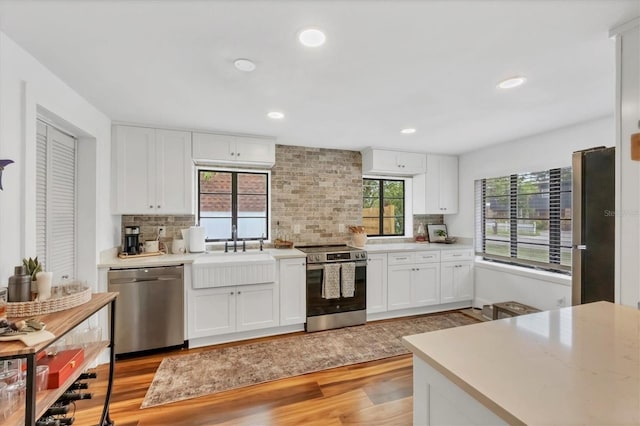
x=373, y=393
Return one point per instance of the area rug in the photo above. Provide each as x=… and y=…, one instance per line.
x=189, y=376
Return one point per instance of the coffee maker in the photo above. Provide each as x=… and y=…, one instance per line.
x=131, y=239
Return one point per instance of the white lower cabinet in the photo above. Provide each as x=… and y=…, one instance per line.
x=413, y=280
x=410, y=286
x=377, y=283
x=224, y=310
x=293, y=291
x=456, y=281
x=257, y=306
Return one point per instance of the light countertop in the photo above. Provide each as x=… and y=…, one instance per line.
x=179, y=259
x=113, y=261
x=575, y=365
x=399, y=247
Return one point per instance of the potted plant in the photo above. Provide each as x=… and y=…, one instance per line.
x=32, y=267
x=441, y=234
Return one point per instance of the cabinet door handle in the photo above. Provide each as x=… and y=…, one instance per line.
x=401, y=258
x=158, y=205
x=231, y=293
x=151, y=206
x=239, y=293
x=237, y=154
x=233, y=153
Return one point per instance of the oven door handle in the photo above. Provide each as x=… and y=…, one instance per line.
x=316, y=266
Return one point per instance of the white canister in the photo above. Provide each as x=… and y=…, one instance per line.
x=177, y=246
x=44, y=281
x=196, y=239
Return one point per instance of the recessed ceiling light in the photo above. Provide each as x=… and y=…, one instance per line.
x=512, y=82
x=244, y=65
x=312, y=37
x=276, y=115
x=408, y=131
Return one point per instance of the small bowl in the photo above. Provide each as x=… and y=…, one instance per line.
x=9, y=376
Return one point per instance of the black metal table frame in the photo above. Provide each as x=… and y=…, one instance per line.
x=30, y=407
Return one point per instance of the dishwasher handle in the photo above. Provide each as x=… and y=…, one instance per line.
x=142, y=280
x=122, y=276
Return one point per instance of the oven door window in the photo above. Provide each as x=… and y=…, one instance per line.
x=317, y=305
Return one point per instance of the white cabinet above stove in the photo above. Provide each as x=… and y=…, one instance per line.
x=219, y=149
x=395, y=163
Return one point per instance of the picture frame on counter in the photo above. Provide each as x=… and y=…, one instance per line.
x=433, y=231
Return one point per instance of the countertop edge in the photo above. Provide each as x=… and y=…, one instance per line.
x=181, y=259
x=490, y=404
x=404, y=247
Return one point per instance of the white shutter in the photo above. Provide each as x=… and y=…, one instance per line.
x=41, y=192
x=59, y=239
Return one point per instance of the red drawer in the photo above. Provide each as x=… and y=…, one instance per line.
x=62, y=365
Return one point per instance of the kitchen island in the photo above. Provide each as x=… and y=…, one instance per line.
x=575, y=365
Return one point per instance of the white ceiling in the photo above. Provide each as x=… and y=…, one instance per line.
x=432, y=65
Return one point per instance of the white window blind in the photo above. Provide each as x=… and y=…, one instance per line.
x=56, y=201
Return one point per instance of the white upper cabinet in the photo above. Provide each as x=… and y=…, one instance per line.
x=153, y=171
x=396, y=163
x=436, y=191
x=210, y=148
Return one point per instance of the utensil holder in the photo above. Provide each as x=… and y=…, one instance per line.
x=359, y=240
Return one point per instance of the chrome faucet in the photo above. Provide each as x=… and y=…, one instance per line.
x=234, y=234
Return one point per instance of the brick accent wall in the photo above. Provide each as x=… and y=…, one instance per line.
x=149, y=225
x=317, y=189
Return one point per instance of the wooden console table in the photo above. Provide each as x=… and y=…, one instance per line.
x=60, y=323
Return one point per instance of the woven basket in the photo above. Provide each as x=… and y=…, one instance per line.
x=27, y=309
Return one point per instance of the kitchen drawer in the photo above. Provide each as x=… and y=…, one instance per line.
x=404, y=258
x=427, y=256
x=464, y=254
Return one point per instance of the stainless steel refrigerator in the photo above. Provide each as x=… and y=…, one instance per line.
x=593, y=253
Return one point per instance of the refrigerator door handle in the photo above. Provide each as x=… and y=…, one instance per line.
x=580, y=246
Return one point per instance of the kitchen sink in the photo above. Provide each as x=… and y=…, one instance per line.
x=220, y=269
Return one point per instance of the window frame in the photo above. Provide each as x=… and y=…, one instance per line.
x=555, y=220
x=406, y=188
x=234, y=214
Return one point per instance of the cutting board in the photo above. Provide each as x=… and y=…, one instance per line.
x=136, y=256
x=30, y=339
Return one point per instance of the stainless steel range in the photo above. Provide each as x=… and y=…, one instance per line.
x=336, y=286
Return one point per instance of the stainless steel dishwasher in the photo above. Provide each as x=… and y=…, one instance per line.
x=150, y=312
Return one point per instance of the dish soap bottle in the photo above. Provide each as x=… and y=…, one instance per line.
x=420, y=236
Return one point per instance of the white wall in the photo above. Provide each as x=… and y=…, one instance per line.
x=501, y=283
x=534, y=153
x=27, y=89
